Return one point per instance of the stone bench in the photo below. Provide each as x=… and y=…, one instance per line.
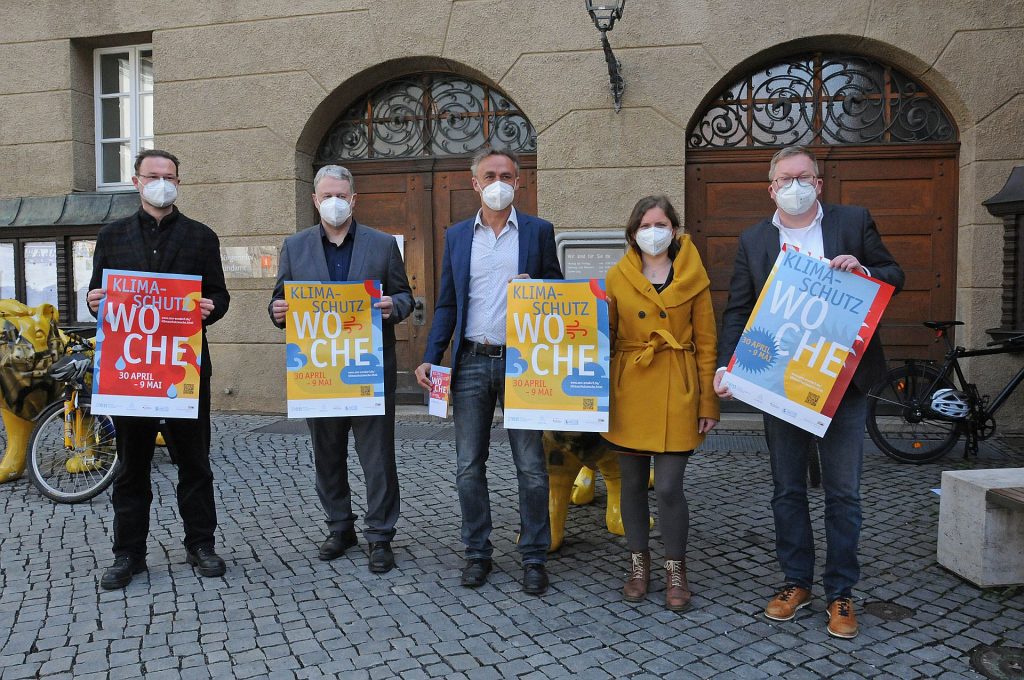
x=981, y=526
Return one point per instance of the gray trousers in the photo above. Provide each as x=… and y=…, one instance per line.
x=375, y=446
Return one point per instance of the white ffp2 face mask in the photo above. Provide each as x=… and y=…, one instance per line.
x=796, y=198
x=160, y=193
x=334, y=211
x=498, y=195
x=654, y=240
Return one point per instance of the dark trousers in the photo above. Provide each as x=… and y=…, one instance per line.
x=133, y=492
x=375, y=446
x=842, y=456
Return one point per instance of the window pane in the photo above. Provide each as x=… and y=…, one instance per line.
x=40, y=273
x=117, y=162
x=146, y=115
x=81, y=267
x=146, y=143
x=146, y=71
x=7, y=279
x=115, y=76
x=116, y=120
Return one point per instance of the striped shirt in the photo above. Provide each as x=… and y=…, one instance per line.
x=492, y=262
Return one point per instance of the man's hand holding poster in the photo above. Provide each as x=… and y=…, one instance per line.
x=556, y=371
x=334, y=349
x=149, y=339
x=804, y=339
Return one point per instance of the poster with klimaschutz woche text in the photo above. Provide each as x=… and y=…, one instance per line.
x=556, y=368
x=804, y=339
x=149, y=343
x=334, y=349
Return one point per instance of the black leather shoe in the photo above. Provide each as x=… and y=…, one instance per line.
x=120, y=573
x=474, y=574
x=382, y=560
x=206, y=561
x=535, y=579
x=337, y=543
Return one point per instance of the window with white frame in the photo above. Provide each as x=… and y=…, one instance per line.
x=124, y=111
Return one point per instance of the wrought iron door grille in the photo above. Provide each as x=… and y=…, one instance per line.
x=430, y=114
x=823, y=98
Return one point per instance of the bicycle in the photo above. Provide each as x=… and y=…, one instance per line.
x=73, y=453
x=935, y=404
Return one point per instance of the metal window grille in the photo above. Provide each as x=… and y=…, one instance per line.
x=823, y=99
x=430, y=114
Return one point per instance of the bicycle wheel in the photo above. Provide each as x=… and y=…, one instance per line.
x=72, y=475
x=910, y=435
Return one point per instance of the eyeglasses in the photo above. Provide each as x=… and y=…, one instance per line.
x=169, y=178
x=785, y=182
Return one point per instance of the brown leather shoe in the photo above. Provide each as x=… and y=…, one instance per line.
x=639, y=576
x=784, y=605
x=842, y=622
x=677, y=590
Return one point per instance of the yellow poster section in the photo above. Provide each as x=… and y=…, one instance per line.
x=328, y=327
x=551, y=331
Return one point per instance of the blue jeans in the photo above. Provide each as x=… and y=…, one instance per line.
x=479, y=384
x=841, y=454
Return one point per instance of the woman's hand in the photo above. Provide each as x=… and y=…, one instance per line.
x=705, y=425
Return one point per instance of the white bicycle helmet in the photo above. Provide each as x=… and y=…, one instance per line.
x=950, y=403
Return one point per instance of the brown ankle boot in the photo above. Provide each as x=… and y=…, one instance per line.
x=639, y=576
x=677, y=590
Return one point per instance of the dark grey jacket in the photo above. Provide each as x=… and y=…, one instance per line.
x=375, y=255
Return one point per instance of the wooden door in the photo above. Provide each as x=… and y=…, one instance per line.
x=399, y=203
x=910, y=191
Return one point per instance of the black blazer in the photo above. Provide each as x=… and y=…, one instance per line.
x=845, y=230
x=192, y=248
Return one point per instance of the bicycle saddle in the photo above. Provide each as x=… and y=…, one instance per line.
x=942, y=325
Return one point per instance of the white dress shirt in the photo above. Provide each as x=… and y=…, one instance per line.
x=808, y=239
x=493, y=261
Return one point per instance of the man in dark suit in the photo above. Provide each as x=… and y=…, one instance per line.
x=158, y=238
x=340, y=249
x=848, y=237
x=481, y=255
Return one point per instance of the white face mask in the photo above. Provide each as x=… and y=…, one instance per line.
x=498, y=195
x=334, y=211
x=160, y=193
x=796, y=198
x=654, y=240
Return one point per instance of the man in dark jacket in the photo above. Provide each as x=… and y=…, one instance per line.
x=847, y=236
x=159, y=239
x=340, y=249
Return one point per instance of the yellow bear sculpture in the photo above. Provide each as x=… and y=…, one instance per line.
x=573, y=455
x=29, y=343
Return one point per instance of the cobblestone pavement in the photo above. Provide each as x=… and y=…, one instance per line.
x=282, y=613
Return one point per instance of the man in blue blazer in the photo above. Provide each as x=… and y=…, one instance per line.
x=481, y=255
x=848, y=237
x=340, y=249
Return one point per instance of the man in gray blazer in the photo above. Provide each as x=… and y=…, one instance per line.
x=340, y=249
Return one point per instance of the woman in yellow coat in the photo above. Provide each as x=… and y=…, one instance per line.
x=662, y=372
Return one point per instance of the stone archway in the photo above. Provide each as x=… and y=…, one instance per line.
x=408, y=141
x=883, y=141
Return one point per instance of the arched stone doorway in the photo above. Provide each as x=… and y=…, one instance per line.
x=883, y=141
x=408, y=143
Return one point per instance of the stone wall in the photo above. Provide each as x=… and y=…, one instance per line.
x=245, y=90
